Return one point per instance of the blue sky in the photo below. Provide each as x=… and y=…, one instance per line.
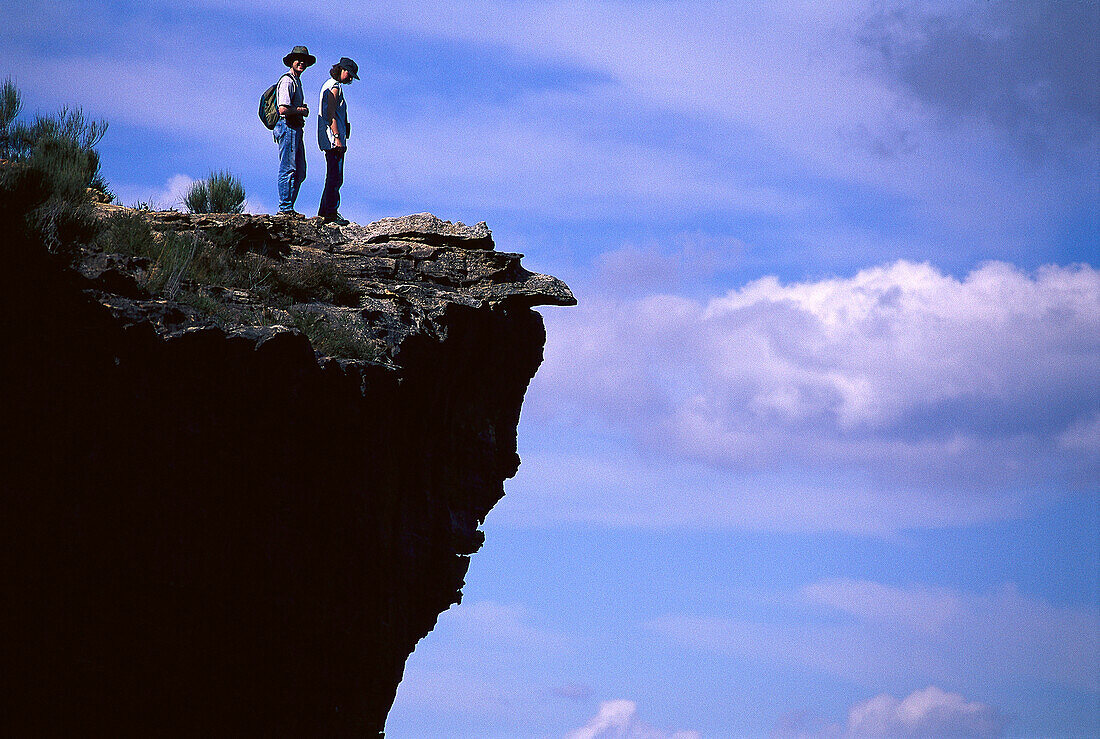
x=817, y=454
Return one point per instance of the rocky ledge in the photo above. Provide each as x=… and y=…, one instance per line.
x=215, y=527
x=406, y=272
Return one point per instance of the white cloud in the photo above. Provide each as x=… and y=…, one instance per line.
x=924, y=713
x=168, y=195
x=503, y=628
x=610, y=488
x=174, y=191
x=921, y=609
x=617, y=719
x=931, y=712
x=892, y=633
x=900, y=386
x=1083, y=435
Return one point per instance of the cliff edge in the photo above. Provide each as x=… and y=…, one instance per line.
x=235, y=505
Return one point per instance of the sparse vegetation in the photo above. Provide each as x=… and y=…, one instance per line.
x=221, y=192
x=183, y=261
x=46, y=169
x=309, y=281
x=146, y=205
x=337, y=337
x=49, y=165
x=62, y=144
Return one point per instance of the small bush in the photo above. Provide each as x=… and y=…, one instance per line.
x=54, y=160
x=10, y=136
x=63, y=145
x=129, y=234
x=221, y=192
x=336, y=337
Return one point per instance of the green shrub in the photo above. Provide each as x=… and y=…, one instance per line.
x=221, y=192
x=192, y=258
x=336, y=336
x=173, y=264
x=50, y=164
x=129, y=234
x=64, y=143
x=11, y=136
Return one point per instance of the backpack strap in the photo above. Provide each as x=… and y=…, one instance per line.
x=284, y=74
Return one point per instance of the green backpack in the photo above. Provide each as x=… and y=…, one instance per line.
x=269, y=107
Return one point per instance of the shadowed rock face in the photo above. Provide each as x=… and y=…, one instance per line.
x=211, y=529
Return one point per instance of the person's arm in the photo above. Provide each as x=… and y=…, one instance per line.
x=332, y=101
x=284, y=100
x=302, y=110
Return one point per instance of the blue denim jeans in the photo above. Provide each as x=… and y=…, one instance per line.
x=334, y=177
x=292, y=163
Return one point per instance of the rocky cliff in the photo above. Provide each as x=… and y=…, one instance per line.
x=214, y=527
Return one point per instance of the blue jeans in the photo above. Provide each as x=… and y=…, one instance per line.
x=292, y=163
x=334, y=177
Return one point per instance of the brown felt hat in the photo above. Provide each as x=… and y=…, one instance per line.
x=300, y=52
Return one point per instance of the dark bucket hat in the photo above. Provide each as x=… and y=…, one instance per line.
x=300, y=52
x=349, y=65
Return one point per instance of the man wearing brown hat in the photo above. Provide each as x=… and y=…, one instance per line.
x=288, y=131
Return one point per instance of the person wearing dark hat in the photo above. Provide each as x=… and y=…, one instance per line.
x=288, y=131
x=332, y=136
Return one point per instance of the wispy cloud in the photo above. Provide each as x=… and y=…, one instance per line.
x=888, y=633
x=486, y=664
x=807, y=116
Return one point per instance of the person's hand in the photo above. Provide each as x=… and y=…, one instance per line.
x=303, y=109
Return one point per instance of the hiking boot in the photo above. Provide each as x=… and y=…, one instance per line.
x=336, y=218
x=291, y=213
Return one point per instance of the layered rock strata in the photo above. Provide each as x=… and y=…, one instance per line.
x=214, y=530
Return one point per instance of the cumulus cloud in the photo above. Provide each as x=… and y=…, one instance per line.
x=899, y=381
x=168, y=195
x=617, y=719
x=931, y=712
x=869, y=632
x=928, y=712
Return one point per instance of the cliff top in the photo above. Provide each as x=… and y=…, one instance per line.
x=356, y=291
